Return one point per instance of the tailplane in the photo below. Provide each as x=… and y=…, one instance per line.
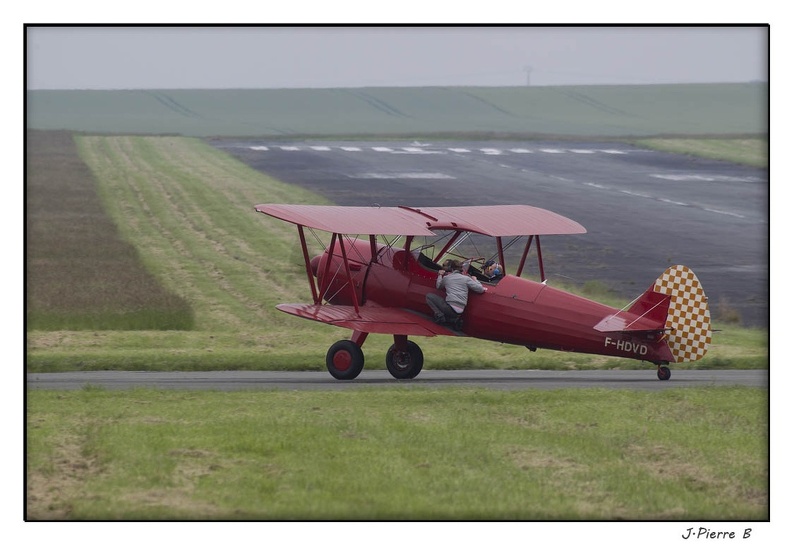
x=675, y=309
x=688, y=323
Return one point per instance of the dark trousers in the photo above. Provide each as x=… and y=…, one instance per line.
x=440, y=307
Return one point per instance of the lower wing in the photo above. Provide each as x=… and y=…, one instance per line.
x=369, y=319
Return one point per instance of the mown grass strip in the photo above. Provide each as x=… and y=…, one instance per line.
x=399, y=454
x=190, y=210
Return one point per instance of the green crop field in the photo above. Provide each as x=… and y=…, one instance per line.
x=591, y=111
x=143, y=253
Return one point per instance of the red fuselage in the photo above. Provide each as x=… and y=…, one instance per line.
x=514, y=311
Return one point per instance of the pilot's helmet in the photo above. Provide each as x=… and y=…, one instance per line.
x=492, y=268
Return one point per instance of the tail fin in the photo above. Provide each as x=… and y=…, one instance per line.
x=688, y=320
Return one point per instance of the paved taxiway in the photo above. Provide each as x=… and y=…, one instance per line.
x=644, y=210
x=311, y=381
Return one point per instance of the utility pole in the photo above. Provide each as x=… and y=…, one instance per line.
x=528, y=70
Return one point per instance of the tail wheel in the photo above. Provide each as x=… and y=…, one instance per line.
x=344, y=360
x=663, y=373
x=404, y=364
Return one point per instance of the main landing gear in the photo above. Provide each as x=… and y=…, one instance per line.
x=345, y=359
x=663, y=372
x=404, y=360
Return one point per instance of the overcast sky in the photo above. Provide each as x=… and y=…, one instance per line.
x=286, y=57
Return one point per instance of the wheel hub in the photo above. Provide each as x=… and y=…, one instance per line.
x=342, y=360
x=401, y=360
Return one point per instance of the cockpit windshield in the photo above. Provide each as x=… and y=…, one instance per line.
x=469, y=250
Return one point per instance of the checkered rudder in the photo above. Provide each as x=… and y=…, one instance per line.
x=688, y=314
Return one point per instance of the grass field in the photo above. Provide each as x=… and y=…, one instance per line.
x=411, y=454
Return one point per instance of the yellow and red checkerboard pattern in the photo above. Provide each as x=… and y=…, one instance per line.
x=688, y=314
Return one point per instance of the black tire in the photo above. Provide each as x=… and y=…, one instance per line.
x=344, y=360
x=663, y=373
x=404, y=365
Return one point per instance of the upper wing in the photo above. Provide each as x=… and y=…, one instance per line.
x=350, y=219
x=370, y=319
x=503, y=220
x=500, y=220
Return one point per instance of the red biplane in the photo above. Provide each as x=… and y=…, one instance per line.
x=369, y=284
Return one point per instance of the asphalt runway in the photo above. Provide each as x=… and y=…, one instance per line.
x=644, y=210
x=645, y=380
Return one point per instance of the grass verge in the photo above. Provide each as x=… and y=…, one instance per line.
x=747, y=151
x=413, y=453
x=66, y=351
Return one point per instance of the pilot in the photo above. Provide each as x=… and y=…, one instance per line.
x=493, y=270
x=456, y=285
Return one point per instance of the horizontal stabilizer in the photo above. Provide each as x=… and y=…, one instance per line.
x=648, y=313
x=369, y=319
x=626, y=322
x=675, y=304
